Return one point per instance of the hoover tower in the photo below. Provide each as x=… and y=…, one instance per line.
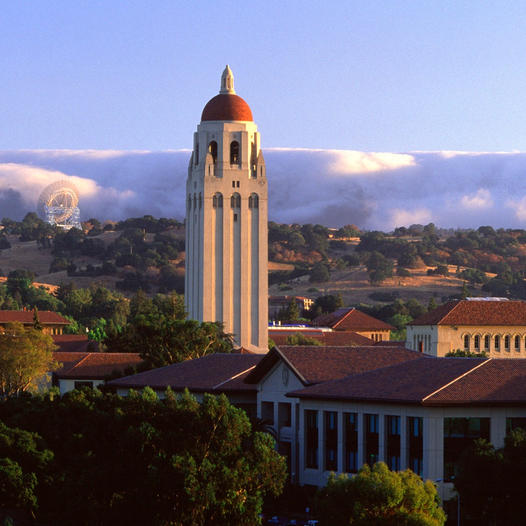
x=226, y=221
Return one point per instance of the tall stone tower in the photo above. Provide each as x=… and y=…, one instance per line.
x=226, y=221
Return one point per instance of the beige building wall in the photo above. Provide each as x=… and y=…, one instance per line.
x=496, y=341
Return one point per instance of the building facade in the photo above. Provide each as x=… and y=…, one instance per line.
x=226, y=221
x=496, y=327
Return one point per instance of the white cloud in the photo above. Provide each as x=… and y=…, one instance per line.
x=401, y=217
x=332, y=187
x=479, y=200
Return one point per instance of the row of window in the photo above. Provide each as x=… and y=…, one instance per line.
x=422, y=343
x=370, y=434
x=483, y=343
x=235, y=155
x=217, y=201
x=459, y=434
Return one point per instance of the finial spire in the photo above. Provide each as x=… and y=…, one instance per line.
x=227, y=81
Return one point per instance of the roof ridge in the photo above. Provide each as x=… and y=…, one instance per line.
x=80, y=361
x=350, y=309
x=449, y=312
x=456, y=379
x=233, y=377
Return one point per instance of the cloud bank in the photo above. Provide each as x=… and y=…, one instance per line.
x=333, y=187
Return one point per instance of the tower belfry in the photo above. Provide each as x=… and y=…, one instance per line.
x=226, y=221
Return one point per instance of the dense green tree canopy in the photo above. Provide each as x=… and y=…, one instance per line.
x=138, y=460
x=379, y=497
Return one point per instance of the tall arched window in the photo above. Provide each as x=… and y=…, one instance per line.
x=486, y=342
x=506, y=343
x=189, y=201
x=466, y=342
x=235, y=201
x=212, y=148
x=253, y=201
x=200, y=201
x=517, y=343
x=217, y=200
x=497, y=343
x=195, y=201
x=476, y=343
x=234, y=153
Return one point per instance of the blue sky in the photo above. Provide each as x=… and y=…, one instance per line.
x=388, y=76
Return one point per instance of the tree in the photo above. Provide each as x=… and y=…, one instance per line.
x=379, y=497
x=26, y=355
x=22, y=463
x=491, y=481
x=162, y=341
x=319, y=273
x=179, y=462
x=300, y=339
x=461, y=353
x=290, y=313
x=379, y=268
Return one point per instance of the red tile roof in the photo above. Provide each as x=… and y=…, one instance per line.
x=472, y=312
x=74, y=343
x=26, y=317
x=212, y=373
x=351, y=319
x=320, y=364
x=279, y=336
x=433, y=382
x=94, y=365
x=408, y=382
x=226, y=107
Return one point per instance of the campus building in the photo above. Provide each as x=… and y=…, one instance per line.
x=495, y=326
x=226, y=221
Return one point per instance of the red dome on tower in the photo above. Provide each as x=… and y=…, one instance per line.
x=227, y=106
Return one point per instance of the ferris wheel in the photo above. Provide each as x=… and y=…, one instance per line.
x=58, y=205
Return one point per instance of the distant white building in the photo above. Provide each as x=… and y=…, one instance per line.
x=226, y=221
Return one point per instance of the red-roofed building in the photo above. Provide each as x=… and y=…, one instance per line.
x=52, y=323
x=215, y=373
x=420, y=413
x=353, y=320
x=495, y=326
x=290, y=368
x=91, y=369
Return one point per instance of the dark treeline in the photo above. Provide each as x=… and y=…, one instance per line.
x=90, y=458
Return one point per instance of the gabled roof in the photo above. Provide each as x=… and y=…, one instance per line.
x=410, y=382
x=313, y=365
x=472, y=312
x=93, y=365
x=26, y=316
x=431, y=382
x=326, y=337
x=351, y=319
x=212, y=373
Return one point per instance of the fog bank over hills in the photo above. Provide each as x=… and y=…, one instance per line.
x=331, y=187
